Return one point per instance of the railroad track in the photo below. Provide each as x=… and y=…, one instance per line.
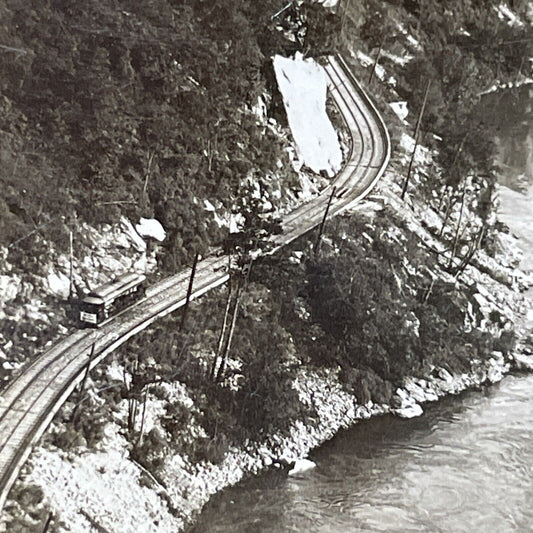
x=29, y=403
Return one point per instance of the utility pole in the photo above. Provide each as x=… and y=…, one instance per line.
x=189, y=291
x=417, y=131
x=71, y=277
x=377, y=58
x=48, y=522
x=323, y=223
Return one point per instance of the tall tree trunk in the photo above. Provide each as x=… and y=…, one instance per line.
x=222, y=329
x=323, y=223
x=227, y=345
x=48, y=522
x=457, y=229
x=132, y=400
x=141, y=432
x=189, y=291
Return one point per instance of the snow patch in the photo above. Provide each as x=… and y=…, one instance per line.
x=400, y=108
x=505, y=13
x=135, y=238
x=303, y=85
x=151, y=227
x=328, y=3
x=301, y=466
x=379, y=71
x=58, y=283
x=8, y=288
x=399, y=60
x=208, y=206
x=100, y=483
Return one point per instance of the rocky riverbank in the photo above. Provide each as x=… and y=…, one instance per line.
x=104, y=489
x=97, y=483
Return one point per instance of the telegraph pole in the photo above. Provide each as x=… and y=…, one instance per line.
x=71, y=277
x=417, y=131
x=189, y=291
x=377, y=58
x=323, y=223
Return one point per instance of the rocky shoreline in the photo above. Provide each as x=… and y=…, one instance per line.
x=104, y=489
x=338, y=410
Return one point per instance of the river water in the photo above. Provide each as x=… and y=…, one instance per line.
x=513, y=112
x=466, y=465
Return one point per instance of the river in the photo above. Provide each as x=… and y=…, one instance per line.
x=465, y=465
x=513, y=112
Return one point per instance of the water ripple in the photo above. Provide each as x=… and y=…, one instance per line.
x=465, y=466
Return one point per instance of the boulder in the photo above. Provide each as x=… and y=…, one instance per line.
x=58, y=283
x=151, y=227
x=9, y=287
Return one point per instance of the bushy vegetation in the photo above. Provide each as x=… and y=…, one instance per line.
x=141, y=108
x=368, y=305
x=457, y=50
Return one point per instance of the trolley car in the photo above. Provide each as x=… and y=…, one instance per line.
x=103, y=302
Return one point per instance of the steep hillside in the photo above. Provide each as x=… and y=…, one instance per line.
x=414, y=294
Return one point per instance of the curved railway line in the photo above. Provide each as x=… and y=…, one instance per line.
x=29, y=402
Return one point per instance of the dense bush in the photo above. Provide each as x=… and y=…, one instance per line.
x=372, y=311
x=136, y=108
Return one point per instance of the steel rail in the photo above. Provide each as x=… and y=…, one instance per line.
x=31, y=400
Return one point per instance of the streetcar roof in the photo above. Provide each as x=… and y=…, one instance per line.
x=92, y=300
x=116, y=287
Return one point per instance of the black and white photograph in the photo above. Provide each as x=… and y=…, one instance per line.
x=266, y=266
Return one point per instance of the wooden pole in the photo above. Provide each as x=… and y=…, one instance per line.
x=222, y=334
x=377, y=59
x=456, y=238
x=323, y=223
x=148, y=172
x=417, y=131
x=141, y=432
x=48, y=522
x=189, y=291
x=71, y=277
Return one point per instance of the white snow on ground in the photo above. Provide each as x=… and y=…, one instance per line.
x=422, y=156
x=410, y=39
x=399, y=60
x=379, y=71
x=58, y=283
x=100, y=484
x=327, y=3
x=367, y=61
x=303, y=85
x=150, y=227
x=400, y=108
x=516, y=210
x=510, y=85
x=505, y=13
x=128, y=228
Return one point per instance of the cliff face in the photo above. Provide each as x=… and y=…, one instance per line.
x=113, y=114
x=408, y=300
